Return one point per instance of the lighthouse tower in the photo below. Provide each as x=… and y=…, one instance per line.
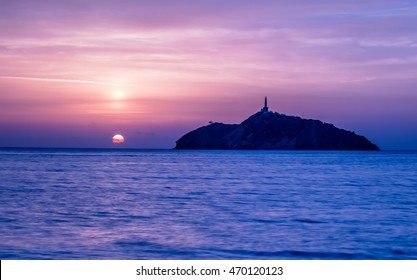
x=265, y=108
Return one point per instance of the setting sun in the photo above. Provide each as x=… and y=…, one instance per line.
x=118, y=139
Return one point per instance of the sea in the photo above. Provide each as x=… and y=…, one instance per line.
x=188, y=204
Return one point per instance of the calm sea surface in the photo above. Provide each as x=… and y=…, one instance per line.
x=166, y=204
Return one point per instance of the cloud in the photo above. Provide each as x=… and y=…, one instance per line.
x=57, y=80
x=72, y=55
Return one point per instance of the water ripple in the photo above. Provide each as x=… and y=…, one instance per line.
x=163, y=204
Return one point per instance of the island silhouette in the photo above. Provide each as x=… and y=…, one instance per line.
x=266, y=130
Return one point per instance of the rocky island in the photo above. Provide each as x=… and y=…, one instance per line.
x=267, y=130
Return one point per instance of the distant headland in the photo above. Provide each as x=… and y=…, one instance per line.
x=266, y=130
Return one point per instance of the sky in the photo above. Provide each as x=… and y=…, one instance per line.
x=75, y=73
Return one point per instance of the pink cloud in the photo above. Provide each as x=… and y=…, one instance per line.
x=182, y=64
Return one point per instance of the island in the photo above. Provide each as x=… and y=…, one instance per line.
x=268, y=130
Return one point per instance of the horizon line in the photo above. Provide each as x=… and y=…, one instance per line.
x=96, y=148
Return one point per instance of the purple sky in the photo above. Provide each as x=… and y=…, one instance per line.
x=74, y=73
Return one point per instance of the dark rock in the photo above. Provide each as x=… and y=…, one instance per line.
x=274, y=131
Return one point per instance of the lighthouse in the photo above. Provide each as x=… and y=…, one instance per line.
x=265, y=108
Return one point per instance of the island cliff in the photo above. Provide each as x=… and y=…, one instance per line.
x=267, y=130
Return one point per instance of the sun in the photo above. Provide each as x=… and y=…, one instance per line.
x=118, y=139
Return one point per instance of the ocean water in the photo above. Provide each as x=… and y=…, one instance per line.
x=168, y=204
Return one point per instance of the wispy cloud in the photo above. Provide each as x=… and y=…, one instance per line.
x=83, y=52
x=61, y=81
